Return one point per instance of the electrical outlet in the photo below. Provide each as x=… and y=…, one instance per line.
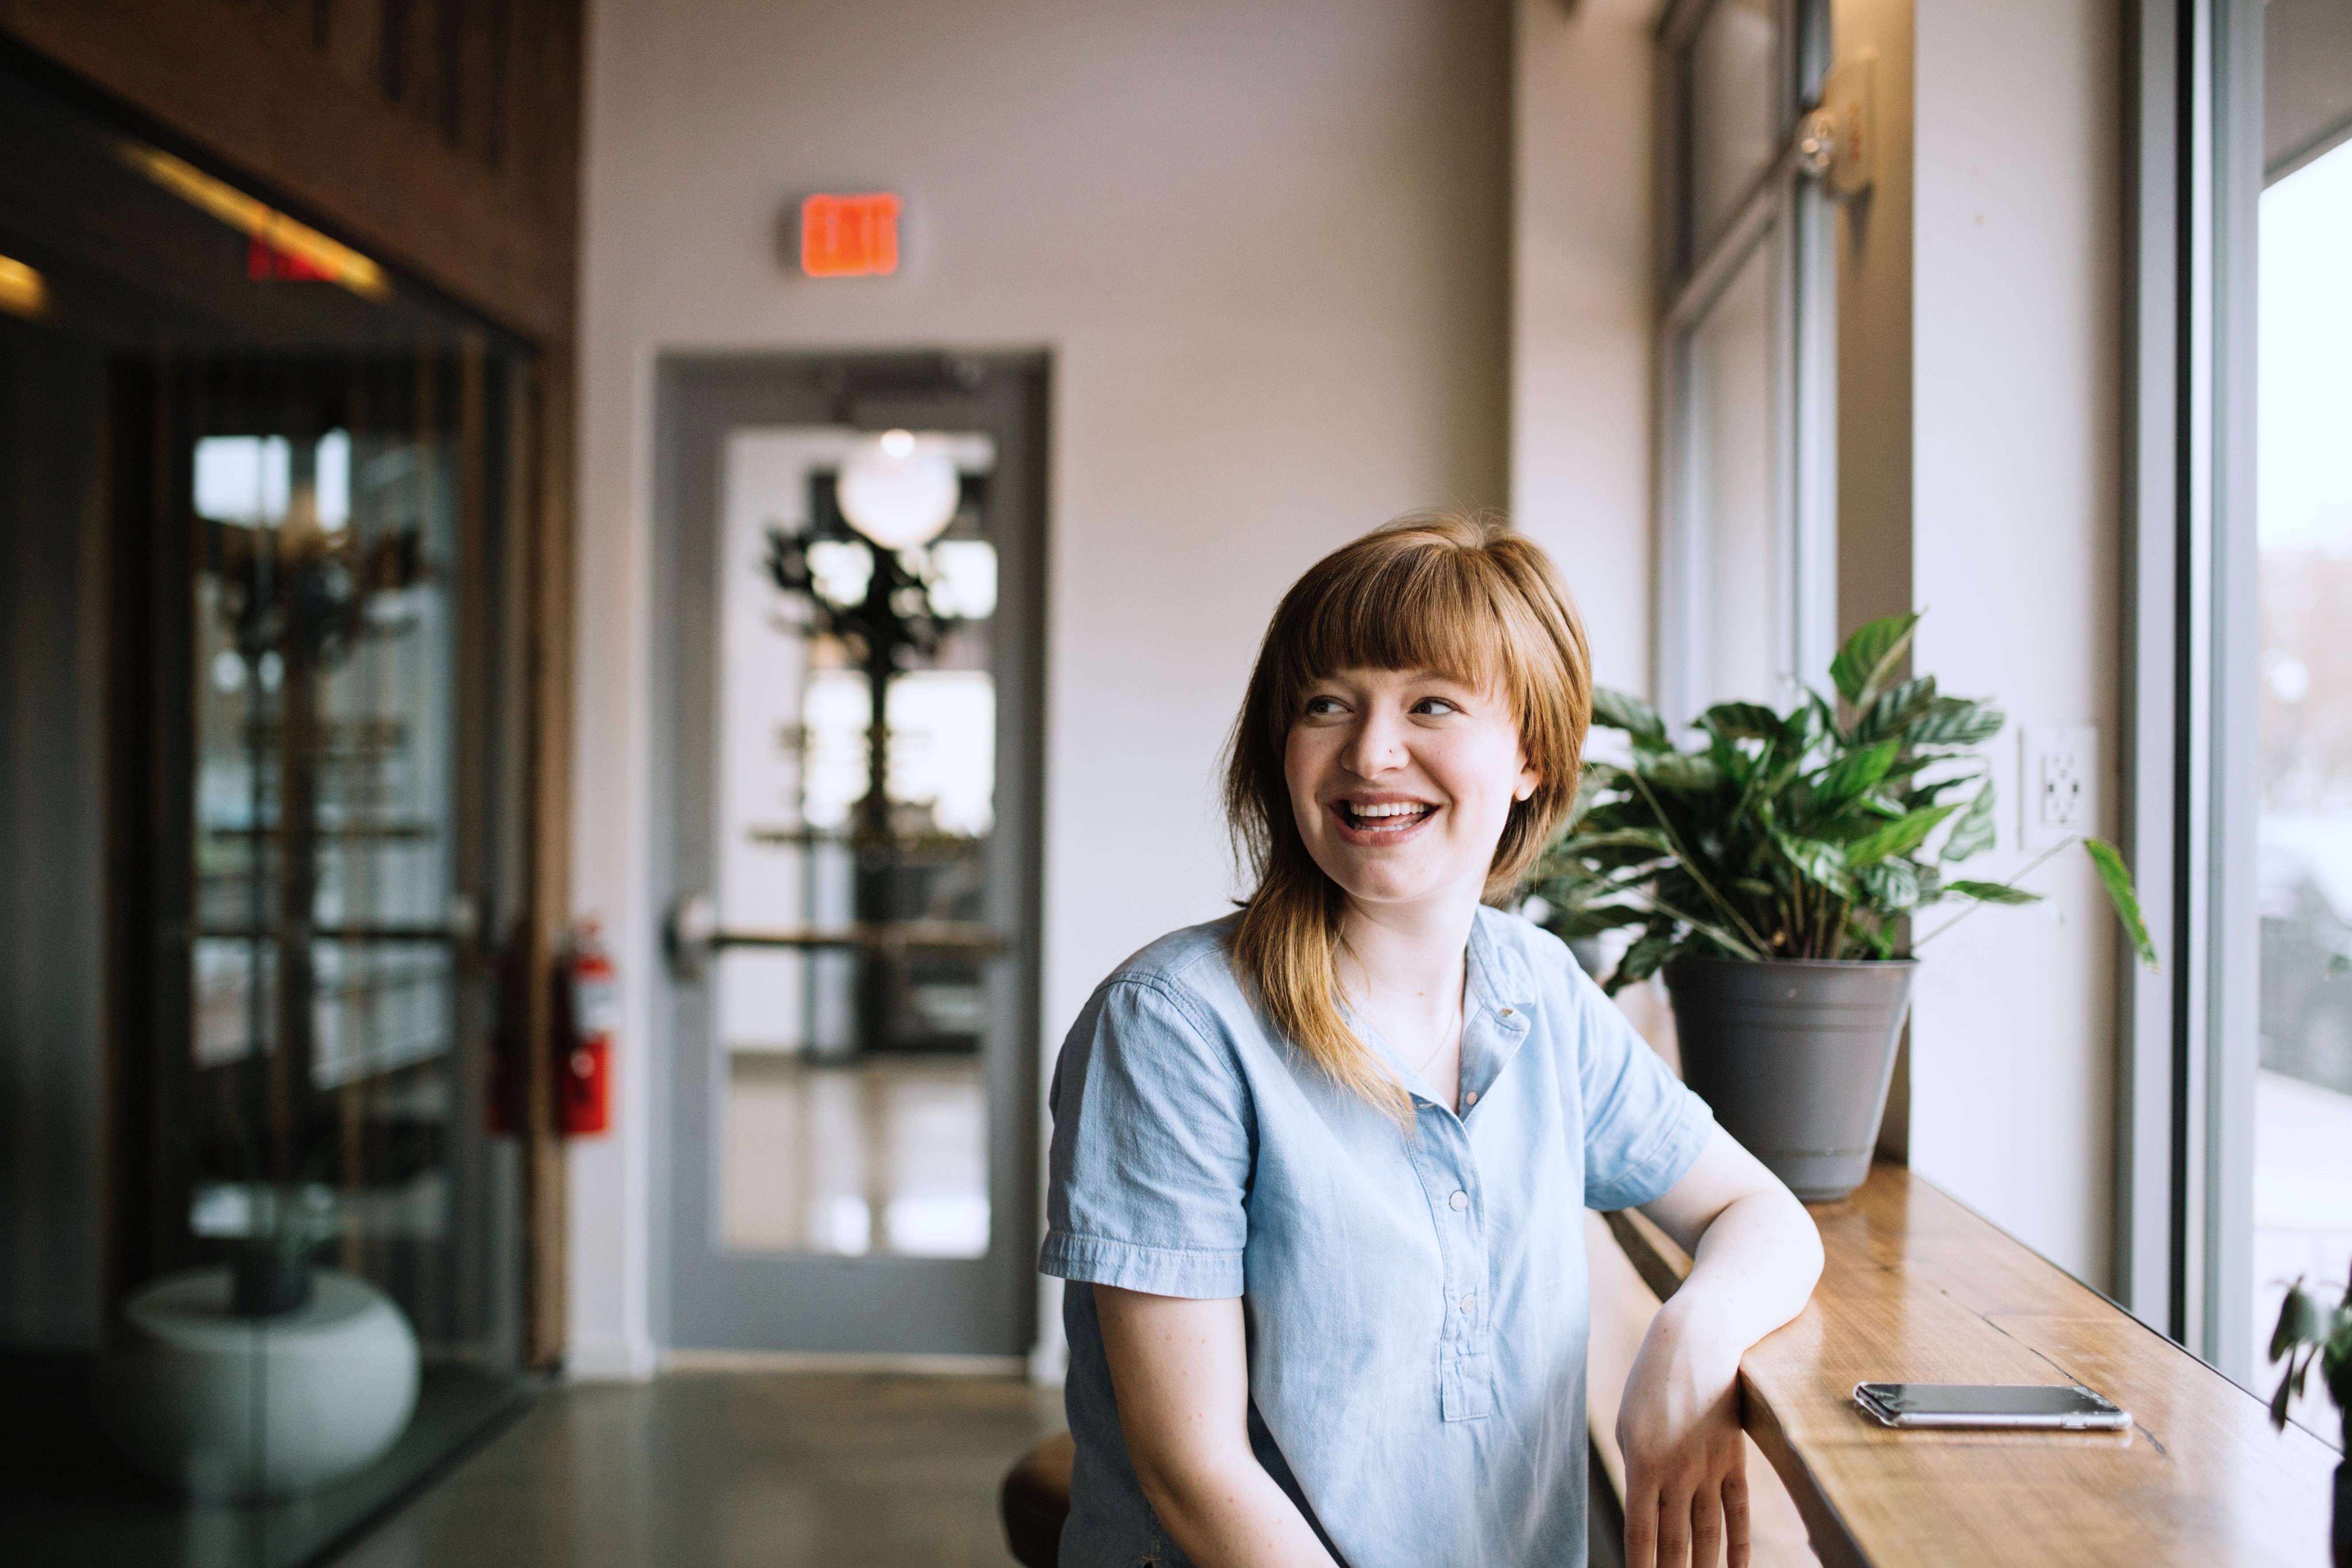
x=2058, y=792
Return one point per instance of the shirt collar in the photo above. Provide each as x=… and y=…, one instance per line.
x=1496, y=1017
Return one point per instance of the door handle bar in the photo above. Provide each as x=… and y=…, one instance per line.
x=692, y=934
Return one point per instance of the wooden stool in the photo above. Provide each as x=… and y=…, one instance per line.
x=1036, y=1499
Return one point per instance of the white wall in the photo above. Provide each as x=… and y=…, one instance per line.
x=2016, y=362
x=1266, y=245
x=1583, y=309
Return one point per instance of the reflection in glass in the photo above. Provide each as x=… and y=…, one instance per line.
x=262, y=826
x=854, y=1117
x=2303, y=1098
x=1735, y=108
x=886, y=1156
x=1738, y=642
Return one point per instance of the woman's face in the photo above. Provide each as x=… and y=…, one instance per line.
x=1402, y=782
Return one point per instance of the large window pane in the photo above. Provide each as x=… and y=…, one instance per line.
x=1735, y=108
x=1736, y=569
x=2302, y=1104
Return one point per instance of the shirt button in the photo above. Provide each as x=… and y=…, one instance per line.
x=1470, y=1304
x=1506, y=1012
x=1471, y=1098
x=1460, y=1201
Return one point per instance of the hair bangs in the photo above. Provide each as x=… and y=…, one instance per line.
x=1402, y=610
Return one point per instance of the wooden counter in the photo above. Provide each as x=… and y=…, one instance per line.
x=1919, y=1289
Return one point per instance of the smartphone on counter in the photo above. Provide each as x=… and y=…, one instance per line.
x=2062, y=1407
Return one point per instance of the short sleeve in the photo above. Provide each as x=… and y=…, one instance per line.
x=1149, y=1175
x=1642, y=1130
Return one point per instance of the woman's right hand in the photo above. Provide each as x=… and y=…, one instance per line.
x=1180, y=1369
x=1686, y=1458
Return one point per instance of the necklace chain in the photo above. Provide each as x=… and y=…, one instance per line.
x=1450, y=1032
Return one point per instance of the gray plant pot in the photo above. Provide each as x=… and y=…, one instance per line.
x=1794, y=1056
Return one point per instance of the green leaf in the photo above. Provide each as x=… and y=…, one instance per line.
x=1817, y=860
x=1645, y=958
x=1956, y=721
x=2117, y=876
x=1615, y=710
x=1649, y=838
x=1871, y=656
x=1973, y=833
x=1853, y=773
x=1892, y=885
x=1593, y=918
x=2335, y=1360
x=1812, y=719
x=1684, y=772
x=1900, y=836
x=2300, y=1323
x=1742, y=720
x=2279, y=1399
x=1895, y=710
x=1990, y=892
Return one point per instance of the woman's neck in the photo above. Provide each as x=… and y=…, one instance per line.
x=1408, y=956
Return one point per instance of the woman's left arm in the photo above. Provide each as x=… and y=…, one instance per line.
x=1756, y=1255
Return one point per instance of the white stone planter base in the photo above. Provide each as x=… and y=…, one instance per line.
x=333, y=1383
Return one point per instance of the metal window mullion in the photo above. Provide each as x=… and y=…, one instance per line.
x=1757, y=212
x=1784, y=429
x=1681, y=631
x=1812, y=225
x=2148, y=1175
x=2232, y=1018
x=2193, y=761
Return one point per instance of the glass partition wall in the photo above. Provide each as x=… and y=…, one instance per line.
x=258, y=1271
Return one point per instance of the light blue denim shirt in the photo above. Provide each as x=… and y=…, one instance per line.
x=1416, y=1307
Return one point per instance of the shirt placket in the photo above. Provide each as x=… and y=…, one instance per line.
x=1449, y=1178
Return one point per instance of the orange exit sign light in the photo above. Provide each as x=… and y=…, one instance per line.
x=850, y=236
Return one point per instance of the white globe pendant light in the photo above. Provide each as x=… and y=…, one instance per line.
x=898, y=490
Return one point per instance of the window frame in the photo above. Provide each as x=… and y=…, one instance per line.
x=2187, y=1030
x=1788, y=213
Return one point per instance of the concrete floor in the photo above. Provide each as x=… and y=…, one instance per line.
x=715, y=1469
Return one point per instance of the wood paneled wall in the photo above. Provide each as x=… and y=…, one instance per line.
x=442, y=137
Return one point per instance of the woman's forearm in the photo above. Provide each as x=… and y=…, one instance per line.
x=1229, y=1513
x=1179, y=1370
x=1755, y=1252
x=1753, y=1271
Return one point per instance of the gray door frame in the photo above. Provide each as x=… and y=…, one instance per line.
x=706, y=1297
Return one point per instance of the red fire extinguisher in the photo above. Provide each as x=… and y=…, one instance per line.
x=583, y=1096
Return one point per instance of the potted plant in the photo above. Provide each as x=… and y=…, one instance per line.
x=2309, y=1334
x=1770, y=870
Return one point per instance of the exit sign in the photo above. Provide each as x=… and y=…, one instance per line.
x=850, y=236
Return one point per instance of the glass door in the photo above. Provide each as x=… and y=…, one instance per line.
x=854, y=1036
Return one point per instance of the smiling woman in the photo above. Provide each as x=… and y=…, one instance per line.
x=1317, y=1166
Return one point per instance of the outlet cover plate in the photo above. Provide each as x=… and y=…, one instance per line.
x=2057, y=784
